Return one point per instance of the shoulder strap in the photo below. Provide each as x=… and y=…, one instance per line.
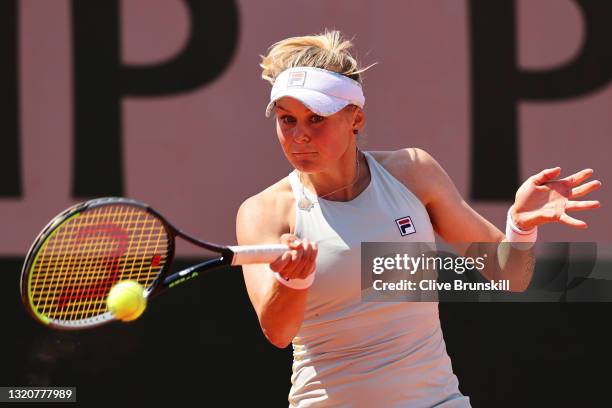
x=296, y=186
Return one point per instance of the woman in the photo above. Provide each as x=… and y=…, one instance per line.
x=348, y=352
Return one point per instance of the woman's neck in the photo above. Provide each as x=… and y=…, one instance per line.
x=343, y=183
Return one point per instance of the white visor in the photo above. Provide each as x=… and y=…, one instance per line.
x=323, y=92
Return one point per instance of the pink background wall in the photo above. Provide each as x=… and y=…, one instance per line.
x=417, y=95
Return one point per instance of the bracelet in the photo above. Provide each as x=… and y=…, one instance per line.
x=296, y=283
x=518, y=238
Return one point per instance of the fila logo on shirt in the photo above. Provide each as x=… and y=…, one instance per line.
x=405, y=226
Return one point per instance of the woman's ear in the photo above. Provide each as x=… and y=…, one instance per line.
x=358, y=120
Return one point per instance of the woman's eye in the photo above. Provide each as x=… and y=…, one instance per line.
x=287, y=119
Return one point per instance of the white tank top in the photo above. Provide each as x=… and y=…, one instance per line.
x=350, y=353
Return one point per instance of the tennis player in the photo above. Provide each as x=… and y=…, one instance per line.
x=349, y=353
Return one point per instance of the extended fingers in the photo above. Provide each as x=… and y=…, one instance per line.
x=582, y=205
x=578, y=177
x=572, y=222
x=585, y=188
x=546, y=175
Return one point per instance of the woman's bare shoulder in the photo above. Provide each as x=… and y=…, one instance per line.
x=411, y=167
x=266, y=215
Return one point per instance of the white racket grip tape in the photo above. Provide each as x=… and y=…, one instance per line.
x=257, y=254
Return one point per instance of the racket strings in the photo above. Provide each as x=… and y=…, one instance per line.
x=81, y=260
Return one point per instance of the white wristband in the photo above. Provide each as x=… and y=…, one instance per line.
x=517, y=237
x=296, y=283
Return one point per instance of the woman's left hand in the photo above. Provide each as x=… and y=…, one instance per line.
x=541, y=199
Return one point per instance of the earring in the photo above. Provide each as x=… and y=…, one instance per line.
x=355, y=131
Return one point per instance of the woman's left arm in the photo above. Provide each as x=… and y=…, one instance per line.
x=540, y=200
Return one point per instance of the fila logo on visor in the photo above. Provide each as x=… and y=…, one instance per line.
x=405, y=226
x=296, y=79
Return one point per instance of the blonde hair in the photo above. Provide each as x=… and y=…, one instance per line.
x=328, y=50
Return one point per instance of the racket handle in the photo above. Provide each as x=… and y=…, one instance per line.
x=254, y=254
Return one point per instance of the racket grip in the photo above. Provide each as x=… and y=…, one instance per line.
x=254, y=254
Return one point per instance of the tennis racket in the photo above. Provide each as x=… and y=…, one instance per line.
x=78, y=257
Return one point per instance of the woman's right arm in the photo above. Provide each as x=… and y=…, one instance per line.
x=280, y=309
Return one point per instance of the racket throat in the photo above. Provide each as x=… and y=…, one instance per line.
x=192, y=272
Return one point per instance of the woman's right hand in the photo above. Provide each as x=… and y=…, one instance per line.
x=280, y=305
x=299, y=261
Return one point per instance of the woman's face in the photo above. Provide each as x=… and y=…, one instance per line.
x=311, y=142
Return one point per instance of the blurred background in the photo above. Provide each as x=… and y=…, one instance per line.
x=162, y=101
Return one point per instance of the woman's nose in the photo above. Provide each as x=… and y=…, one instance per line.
x=300, y=135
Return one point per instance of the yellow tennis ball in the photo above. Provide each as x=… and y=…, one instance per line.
x=126, y=300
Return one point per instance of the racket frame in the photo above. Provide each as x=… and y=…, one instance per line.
x=163, y=281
